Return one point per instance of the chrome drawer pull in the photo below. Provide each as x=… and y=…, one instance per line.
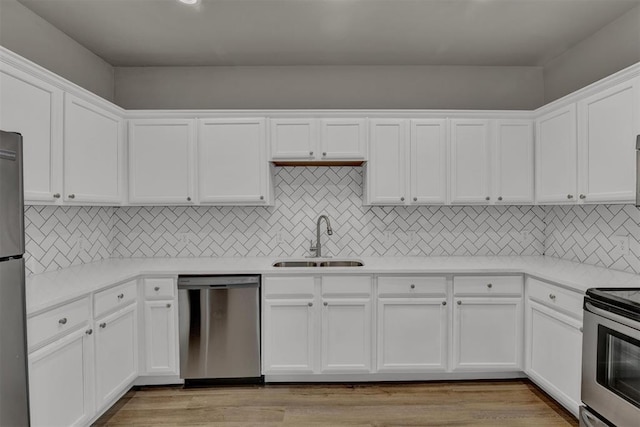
x=120, y=296
x=552, y=297
x=157, y=288
x=63, y=321
x=103, y=325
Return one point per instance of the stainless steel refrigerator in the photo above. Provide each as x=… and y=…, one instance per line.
x=14, y=381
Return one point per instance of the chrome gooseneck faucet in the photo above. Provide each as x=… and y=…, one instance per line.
x=318, y=247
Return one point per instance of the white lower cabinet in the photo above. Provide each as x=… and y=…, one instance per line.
x=161, y=346
x=346, y=334
x=317, y=324
x=487, y=323
x=412, y=334
x=116, y=354
x=289, y=335
x=487, y=333
x=554, y=353
x=61, y=381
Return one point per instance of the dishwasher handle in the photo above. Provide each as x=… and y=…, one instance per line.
x=218, y=282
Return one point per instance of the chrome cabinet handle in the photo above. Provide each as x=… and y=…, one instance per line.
x=459, y=303
x=261, y=197
x=188, y=199
x=311, y=153
x=489, y=285
x=63, y=321
x=103, y=325
x=582, y=196
x=569, y=196
x=310, y=304
x=402, y=199
x=326, y=303
x=324, y=153
x=444, y=303
x=157, y=288
x=72, y=196
x=413, y=286
x=487, y=198
x=500, y=198
x=552, y=297
x=56, y=196
x=168, y=305
x=120, y=296
x=415, y=199
x=88, y=331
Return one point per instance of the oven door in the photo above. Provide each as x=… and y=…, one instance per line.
x=611, y=366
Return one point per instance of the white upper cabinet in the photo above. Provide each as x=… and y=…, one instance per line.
x=343, y=139
x=608, y=124
x=233, y=166
x=32, y=107
x=161, y=161
x=317, y=140
x=428, y=154
x=469, y=182
x=512, y=162
x=293, y=139
x=387, y=167
x=93, y=152
x=556, y=159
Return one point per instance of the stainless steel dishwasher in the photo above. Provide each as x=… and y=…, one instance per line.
x=219, y=324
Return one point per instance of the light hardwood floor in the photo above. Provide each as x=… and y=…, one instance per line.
x=470, y=403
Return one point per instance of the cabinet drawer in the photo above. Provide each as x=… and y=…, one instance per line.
x=556, y=297
x=116, y=297
x=289, y=287
x=57, y=321
x=487, y=285
x=411, y=286
x=159, y=288
x=346, y=285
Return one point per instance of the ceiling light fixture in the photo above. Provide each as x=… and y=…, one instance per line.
x=191, y=2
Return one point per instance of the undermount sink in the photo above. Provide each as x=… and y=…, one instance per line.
x=295, y=264
x=324, y=263
x=338, y=263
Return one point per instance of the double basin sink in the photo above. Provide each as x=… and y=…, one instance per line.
x=319, y=263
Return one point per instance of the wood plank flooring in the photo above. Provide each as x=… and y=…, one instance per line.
x=468, y=403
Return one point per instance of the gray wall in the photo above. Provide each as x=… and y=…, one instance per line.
x=614, y=47
x=30, y=36
x=366, y=87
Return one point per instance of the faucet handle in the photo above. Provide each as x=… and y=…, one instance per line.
x=312, y=247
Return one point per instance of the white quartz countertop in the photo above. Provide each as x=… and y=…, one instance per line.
x=49, y=289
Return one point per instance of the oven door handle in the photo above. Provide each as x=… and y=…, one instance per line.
x=590, y=420
x=611, y=316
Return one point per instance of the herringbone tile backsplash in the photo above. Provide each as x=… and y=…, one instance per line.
x=59, y=237
x=583, y=234
x=305, y=193
x=52, y=234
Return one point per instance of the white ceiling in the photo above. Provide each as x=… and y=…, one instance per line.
x=329, y=32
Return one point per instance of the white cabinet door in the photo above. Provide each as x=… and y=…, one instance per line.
x=33, y=108
x=428, y=161
x=469, y=161
x=412, y=334
x=513, y=162
x=556, y=156
x=161, y=161
x=346, y=335
x=289, y=336
x=61, y=382
x=294, y=139
x=343, y=139
x=233, y=166
x=386, y=171
x=608, y=124
x=161, y=347
x=92, y=153
x=554, y=360
x=116, y=354
x=487, y=334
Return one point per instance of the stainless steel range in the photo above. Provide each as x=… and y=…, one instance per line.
x=611, y=358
